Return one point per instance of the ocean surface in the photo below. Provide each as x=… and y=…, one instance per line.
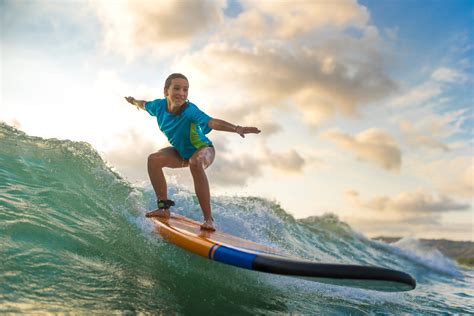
x=74, y=239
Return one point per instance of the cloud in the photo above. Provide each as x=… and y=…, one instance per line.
x=296, y=55
x=444, y=74
x=241, y=115
x=228, y=171
x=237, y=169
x=422, y=227
x=372, y=145
x=131, y=153
x=394, y=221
x=132, y=27
x=414, y=203
x=268, y=128
x=285, y=162
x=288, y=20
x=275, y=52
x=415, y=137
x=409, y=214
x=433, y=87
x=429, y=114
x=451, y=176
x=418, y=95
x=317, y=84
x=424, y=128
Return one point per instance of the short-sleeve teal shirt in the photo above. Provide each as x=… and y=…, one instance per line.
x=185, y=131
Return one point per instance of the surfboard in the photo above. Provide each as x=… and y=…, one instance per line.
x=232, y=250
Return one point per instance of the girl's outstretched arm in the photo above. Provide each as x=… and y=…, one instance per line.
x=221, y=125
x=140, y=104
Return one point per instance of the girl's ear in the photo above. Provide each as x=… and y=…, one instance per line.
x=165, y=92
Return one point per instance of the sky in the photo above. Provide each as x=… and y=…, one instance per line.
x=365, y=107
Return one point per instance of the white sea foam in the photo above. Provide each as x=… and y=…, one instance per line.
x=431, y=258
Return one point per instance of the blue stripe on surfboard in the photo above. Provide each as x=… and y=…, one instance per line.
x=234, y=257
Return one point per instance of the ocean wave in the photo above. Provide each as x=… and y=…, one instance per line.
x=74, y=238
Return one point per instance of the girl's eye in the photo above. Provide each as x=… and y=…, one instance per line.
x=179, y=88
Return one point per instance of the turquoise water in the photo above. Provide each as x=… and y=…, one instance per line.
x=73, y=239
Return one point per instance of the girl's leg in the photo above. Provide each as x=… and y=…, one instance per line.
x=166, y=157
x=197, y=164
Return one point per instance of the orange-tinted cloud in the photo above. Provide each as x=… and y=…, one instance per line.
x=372, y=145
x=132, y=27
x=284, y=19
x=416, y=203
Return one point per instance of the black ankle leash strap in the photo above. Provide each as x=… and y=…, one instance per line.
x=165, y=204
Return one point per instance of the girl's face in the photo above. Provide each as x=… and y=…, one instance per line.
x=177, y=92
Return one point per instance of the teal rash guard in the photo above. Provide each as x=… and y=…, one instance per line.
x=185, y=131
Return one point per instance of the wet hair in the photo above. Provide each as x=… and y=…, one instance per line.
x=174, y=76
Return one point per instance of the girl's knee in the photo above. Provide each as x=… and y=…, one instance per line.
x=202, y=159
x=156, y=159
x=195, y=163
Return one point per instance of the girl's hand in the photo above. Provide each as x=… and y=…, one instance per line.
x=134, y=102
x=130, y=100
x=241, y=130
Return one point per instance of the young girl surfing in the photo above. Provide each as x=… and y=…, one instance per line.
x=186, y=127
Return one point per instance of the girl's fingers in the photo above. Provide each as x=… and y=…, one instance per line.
x=251, y=130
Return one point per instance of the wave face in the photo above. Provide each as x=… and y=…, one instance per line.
x=74, y=240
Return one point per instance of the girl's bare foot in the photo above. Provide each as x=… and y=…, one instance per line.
x=159, y=213
x=208, y=225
